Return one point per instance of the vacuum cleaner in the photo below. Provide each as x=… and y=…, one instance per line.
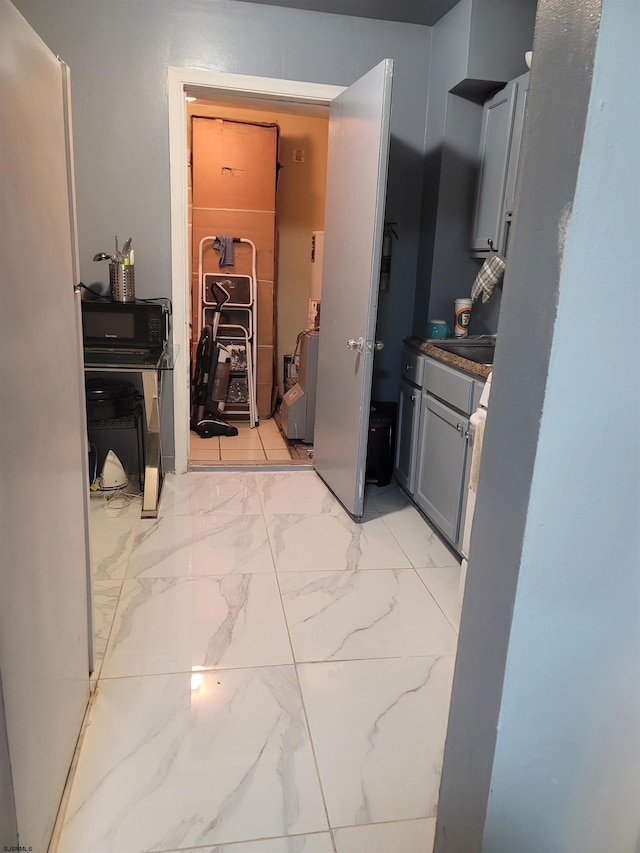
x=210, y=377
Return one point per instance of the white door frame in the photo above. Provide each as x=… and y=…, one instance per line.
x=180, y=79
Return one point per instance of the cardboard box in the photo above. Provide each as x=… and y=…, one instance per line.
x=233, y=178
x=266, y=313
x=257, y=227
x=266, y=400
x=265, y=366
x=234, y=164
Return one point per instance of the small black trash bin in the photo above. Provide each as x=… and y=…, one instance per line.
x=381, y=444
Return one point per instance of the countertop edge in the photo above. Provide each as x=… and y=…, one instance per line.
x=480, y=371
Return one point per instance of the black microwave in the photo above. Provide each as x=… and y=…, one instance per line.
x=125, y=325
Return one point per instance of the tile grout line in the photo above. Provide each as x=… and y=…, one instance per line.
x=455, y=628
x=59, y=823
x=298, y=682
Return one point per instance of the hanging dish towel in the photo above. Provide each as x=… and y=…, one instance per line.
x=224, y=245
x=490, y=274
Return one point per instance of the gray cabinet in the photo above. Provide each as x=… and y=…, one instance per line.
x=441, y=461
x=434, y=439
x=500, y=140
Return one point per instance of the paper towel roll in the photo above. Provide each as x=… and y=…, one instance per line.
x=478, y=419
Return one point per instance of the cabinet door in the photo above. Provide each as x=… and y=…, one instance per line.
x=495, y=141
x=407, y=437
x=522, y=93
x=442, y=449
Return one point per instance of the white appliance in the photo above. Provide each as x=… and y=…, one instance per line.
x=478, y=419
x=298, y=409
x=44, y=571
x=317, y=249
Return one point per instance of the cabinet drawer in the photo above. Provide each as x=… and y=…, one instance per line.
x=413, y=366
x=449, y=385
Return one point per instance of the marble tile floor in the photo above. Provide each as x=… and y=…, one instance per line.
x=271, y=676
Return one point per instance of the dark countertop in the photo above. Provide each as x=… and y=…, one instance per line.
x=482, y=371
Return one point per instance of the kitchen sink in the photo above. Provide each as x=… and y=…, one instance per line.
x=480, y=350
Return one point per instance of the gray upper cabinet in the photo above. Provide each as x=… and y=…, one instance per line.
x=500, y=139
x=522, y=94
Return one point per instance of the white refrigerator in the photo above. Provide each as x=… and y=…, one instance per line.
x=44, y=563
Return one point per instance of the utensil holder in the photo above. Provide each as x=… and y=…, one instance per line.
x=122, y=282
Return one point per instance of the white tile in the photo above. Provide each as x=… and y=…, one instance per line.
x=384, y=498
x=174, y=546
x=209, y=492
x=317, y=843
x=233, y=455
x=175, y=624
x=116, y=505
x=105, y=599
x=407, y=836
x=378, y=729
x=418, y=540
x=295, y=492
x=169, y=764
x=356, y=614
x=443, y=584
x=331, y=542
x=275, y=455
x=111, y=545
x=245, y=440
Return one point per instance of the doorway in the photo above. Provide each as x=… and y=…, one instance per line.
x=235, y=94
x=257, y=170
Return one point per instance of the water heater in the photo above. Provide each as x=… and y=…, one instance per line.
x=317, y=248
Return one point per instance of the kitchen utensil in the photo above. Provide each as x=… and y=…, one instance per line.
x=102, y=256
x=438, y=329
x=463, y=313
x=122, y=282
x=126, y=248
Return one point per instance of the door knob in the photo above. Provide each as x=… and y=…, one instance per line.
x=378, y=345
x=352, y=344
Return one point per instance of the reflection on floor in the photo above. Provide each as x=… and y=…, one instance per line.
x=272, y=677
x=264, y=443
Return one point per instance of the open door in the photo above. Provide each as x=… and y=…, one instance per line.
x=359, y=121
x=44, y=577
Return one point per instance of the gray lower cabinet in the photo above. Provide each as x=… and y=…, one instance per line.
x=407, y=435
x=434, y=439
x=441, y=463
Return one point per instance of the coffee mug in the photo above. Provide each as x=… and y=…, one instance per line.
x=438, y=329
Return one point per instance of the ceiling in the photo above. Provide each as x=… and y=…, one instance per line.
x=407, y=11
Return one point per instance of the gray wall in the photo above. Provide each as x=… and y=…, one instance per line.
x=543, y=739
x=477, y=47
x=569, y=725
x=119, y=54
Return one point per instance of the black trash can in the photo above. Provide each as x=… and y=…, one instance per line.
x=382, y=442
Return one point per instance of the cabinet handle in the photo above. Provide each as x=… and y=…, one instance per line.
x=413, y=398
x=408, y=366
x=469, y=437
x=459, y=427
